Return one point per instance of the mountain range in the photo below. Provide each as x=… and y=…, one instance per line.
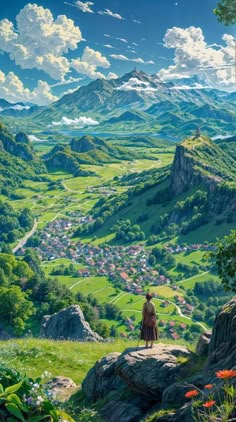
x=137, y=102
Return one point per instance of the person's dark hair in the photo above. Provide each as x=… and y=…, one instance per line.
x=148, y=296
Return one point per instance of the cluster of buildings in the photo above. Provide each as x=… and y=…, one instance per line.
x=175, y=249
x=173, y=329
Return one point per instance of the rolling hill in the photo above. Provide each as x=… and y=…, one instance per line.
x=196, y=194
x=17, y=161
x=85, y=150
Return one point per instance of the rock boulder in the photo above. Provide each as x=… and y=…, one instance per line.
x=148, y=372
x=68, y=324
x=101, y=378
x=203, y=343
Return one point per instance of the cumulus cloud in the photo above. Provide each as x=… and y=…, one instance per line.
x=194, y=56
x=13, y=90
x=80, y=122
x=112, y=75
x=39, y=41
x=108, y=12
x=94, y=58
x=83, y=6
x=125, y=58
x=89, y=62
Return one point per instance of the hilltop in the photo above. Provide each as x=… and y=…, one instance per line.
x=18, y=161
x=85, y=150
x=197, y=190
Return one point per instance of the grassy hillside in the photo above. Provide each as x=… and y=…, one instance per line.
x=70, y=359
x=181, y=204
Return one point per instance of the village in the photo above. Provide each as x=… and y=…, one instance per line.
x=126, y=267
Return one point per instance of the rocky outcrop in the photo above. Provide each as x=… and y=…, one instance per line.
x=134, y=380
x=222, y=347
x=68, y=324
x=148, y=372
x=101, y=379
x=199, y=161
x=83, y=144
x=203, y=343
x=137, y=381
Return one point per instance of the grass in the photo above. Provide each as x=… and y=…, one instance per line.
x=165, y=291
x=70, y=359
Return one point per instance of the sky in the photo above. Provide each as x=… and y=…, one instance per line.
x=52, y=47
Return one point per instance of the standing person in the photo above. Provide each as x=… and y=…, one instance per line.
x=149, y=331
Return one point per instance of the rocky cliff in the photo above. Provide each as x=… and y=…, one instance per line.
x=199, y=161
x=19, y=145
x=137, y=383
x=68, y=324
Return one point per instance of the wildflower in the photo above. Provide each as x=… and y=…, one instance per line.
x=208, y=386
x=226, y=373
x=192, y=393
x=209, y=403
x=36, y=385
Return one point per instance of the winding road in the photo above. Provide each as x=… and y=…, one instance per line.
x=23, y=241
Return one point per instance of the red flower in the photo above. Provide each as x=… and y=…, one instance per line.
x=192, y=393
x=208, y=386
x=209, y=403
x=226, y=373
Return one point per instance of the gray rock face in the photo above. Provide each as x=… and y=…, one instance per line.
x=203, y=343
x=222, y=347
x=149, y=371
x=116, y=410
x=68, y=324
x=101, y=379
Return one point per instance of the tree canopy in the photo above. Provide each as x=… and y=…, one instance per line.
x=226, y=11
x=225, y=258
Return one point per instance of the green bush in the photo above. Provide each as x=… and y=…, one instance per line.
x=24, y=399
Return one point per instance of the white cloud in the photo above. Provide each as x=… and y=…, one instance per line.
x=194, y=56
x=124, y=40
x=108, y=46
x=39, y=41
x=94, y=58
x=134, y=84
x=112, y=75
x=80, y=122
x=67, y=82
x=13, y=90
x=89, y=62
x=86, y=69
x=119, y=57
x=125, y=58
x=34, y=138
x=136, y=21
x=110, y=13
x=196, y=86
x=83, y=6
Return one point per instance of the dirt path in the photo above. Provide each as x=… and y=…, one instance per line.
x=23, y=241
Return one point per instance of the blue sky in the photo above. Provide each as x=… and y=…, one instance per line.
x=44, y=56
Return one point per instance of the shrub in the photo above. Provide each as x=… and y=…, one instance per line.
x=24, y=399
